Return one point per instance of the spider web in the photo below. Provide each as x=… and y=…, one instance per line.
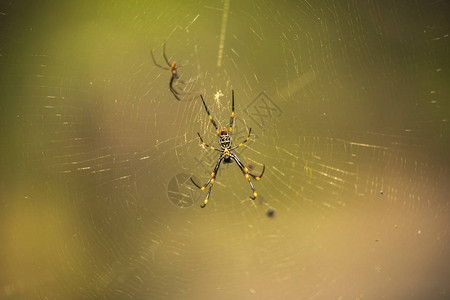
x=349, y=108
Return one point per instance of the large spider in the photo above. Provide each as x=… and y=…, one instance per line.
x=173, y=69
x=225, y=142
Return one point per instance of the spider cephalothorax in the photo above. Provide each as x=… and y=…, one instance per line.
x=173, y=69
x=225, y=141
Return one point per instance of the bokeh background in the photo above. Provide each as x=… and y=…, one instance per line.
x=349, y=105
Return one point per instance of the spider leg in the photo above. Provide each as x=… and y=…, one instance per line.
x=174, y=92
x=165, y=57
x=232, y=111
x=247, y=174
x=175, y=95
x=206, y=145
x=156, y=64
x=258, y=177
x=248, y=137
x=210, y=118
x=246, y=169
x=176, y=78
x=209, y=193
x=211, y=180
x=192, y=180
x=213, y=175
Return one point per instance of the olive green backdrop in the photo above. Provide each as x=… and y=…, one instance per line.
x=348, y=102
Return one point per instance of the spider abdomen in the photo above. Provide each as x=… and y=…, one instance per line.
x=224, y=140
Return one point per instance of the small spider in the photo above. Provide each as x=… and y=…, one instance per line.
x=173, y=69
x=225, y=141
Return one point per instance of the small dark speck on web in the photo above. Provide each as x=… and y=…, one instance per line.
x=270, y=213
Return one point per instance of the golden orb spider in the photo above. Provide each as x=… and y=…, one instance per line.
x=225, y=138
x=173, y=67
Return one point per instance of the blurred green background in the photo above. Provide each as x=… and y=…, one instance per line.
x=348, y=102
